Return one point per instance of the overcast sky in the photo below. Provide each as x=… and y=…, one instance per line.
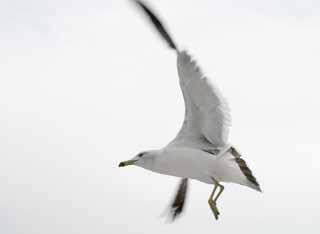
x=86, y=84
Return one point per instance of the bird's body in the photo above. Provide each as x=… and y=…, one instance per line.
x=184, y=163
x=200, y=150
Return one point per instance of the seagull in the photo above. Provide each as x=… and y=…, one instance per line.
x=200, y=151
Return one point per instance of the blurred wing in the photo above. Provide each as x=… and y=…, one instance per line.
x=157, y=23
x=207, y=116
x=178, y=203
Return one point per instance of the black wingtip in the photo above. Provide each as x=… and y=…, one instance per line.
x=178, y=203
x=157, y=23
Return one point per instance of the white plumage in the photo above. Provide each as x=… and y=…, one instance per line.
x=200, y=150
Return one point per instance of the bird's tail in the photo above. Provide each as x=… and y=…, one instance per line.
x=158, y=25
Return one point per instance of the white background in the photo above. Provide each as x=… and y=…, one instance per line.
x=86, y=84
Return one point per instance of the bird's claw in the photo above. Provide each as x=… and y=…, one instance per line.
x=214, y=209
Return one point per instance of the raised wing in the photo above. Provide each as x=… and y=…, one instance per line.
x=207, y=115
x=157, y=23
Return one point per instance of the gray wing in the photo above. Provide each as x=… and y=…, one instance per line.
x=207, y=114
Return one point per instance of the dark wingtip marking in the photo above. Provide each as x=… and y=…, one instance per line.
x=246, y=171
x=157, y=23
x=177, y=206
x=235, y=153
x=244, y=168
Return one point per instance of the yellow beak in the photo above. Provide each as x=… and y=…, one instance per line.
x=127, y=163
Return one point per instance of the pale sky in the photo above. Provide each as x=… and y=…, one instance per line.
x=87, y=84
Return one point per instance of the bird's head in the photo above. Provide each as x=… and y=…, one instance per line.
x=143, y=159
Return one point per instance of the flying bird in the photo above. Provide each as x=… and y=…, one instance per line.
x=201, y=150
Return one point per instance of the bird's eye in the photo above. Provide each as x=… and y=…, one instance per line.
x=140, y=155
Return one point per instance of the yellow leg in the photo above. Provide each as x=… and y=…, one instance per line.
x=219, y=193
x=212, y=201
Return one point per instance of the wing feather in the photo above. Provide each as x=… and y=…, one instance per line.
x=207, y=117
x=178, y=203
x=158, y=24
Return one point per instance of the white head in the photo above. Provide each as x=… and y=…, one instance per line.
x=144, y=159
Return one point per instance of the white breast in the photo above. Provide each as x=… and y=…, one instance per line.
x=186, y=163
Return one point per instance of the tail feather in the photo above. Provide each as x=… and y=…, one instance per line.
x=157, y=23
